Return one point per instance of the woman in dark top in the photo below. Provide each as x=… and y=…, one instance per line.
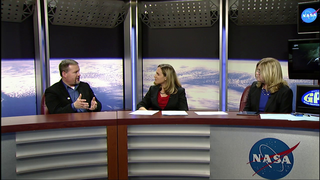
x=166, y=93
x=270, y=93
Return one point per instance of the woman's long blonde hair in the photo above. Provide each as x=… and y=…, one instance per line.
x=172, y=81
x=271, y=72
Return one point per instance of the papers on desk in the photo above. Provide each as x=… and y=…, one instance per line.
x=174, y=113
x=211, y=113
x=144, y=112
x=289, y=117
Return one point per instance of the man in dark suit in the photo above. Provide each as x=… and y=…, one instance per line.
x=71, y=95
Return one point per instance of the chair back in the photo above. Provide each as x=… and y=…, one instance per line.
x=44, y=109
x=244, y=98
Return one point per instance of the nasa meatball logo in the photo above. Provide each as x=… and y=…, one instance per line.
x=271, y=158
x=309, y=15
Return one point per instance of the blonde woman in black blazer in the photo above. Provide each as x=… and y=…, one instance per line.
x=270, y=93
x=166, y=93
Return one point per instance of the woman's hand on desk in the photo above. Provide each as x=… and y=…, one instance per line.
x=142, y=108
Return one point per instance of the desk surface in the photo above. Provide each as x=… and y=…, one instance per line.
x=124, y=118
x=53, y=121
x=113, y=118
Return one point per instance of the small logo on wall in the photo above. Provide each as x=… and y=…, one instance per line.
x=311, y=98
x=309, y=15
x=271, y=158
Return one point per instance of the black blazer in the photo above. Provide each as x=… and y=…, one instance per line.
x=58, y=100
x=278, y=102
x=176, y=101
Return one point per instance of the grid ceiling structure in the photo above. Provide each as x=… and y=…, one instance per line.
x=87, y=13
x=16, y=11
x=264, y=12
x=178, y=14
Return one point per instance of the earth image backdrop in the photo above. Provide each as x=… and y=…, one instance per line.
x=200, y=78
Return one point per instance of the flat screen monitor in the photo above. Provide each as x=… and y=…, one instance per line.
x=308, y=17
x=303, y=60
x=307, y=99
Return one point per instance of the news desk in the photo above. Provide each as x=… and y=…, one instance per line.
x=117, y=145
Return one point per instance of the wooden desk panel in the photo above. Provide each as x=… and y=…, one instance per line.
x=232, y=119
x=53, y=121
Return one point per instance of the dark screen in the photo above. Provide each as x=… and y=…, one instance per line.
x=303, y=62
x=305, y=56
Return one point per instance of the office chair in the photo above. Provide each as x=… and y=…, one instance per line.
x=244, y=98
x=44, y=109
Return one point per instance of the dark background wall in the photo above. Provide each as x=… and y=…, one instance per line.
x=17, y=40
x=256, y=42
x=86, y=42
x=180, y=42
x=245, y=42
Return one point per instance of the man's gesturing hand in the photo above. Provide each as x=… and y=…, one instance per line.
x=94, y=104
x=81, y=103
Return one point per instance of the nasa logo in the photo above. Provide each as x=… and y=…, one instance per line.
x=311, y=98
x=271, y=158
x=309, y=15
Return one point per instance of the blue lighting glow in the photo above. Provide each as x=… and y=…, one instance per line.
x=133, y=68
x=223, y=70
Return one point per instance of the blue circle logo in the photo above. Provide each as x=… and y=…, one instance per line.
x=309, y=15
x=311, y=98
x=271, y=158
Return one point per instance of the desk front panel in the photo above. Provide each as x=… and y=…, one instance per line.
x=219, y=152
x=232, y=149
x=67, y=153
x=168, y=151
x=60, y=146
x=118, y=145
x=216, y=147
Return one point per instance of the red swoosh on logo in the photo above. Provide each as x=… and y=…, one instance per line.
x=281, y=156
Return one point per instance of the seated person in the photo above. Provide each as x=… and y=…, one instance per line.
x=270, y=93
x=70, y=95
x=166, y=94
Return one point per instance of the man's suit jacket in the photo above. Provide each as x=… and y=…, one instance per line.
x=58, y=99
x=176, y=101
x=278, y=102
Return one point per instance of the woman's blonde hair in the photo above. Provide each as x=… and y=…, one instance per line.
x=271, y=72
x=172, y=81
